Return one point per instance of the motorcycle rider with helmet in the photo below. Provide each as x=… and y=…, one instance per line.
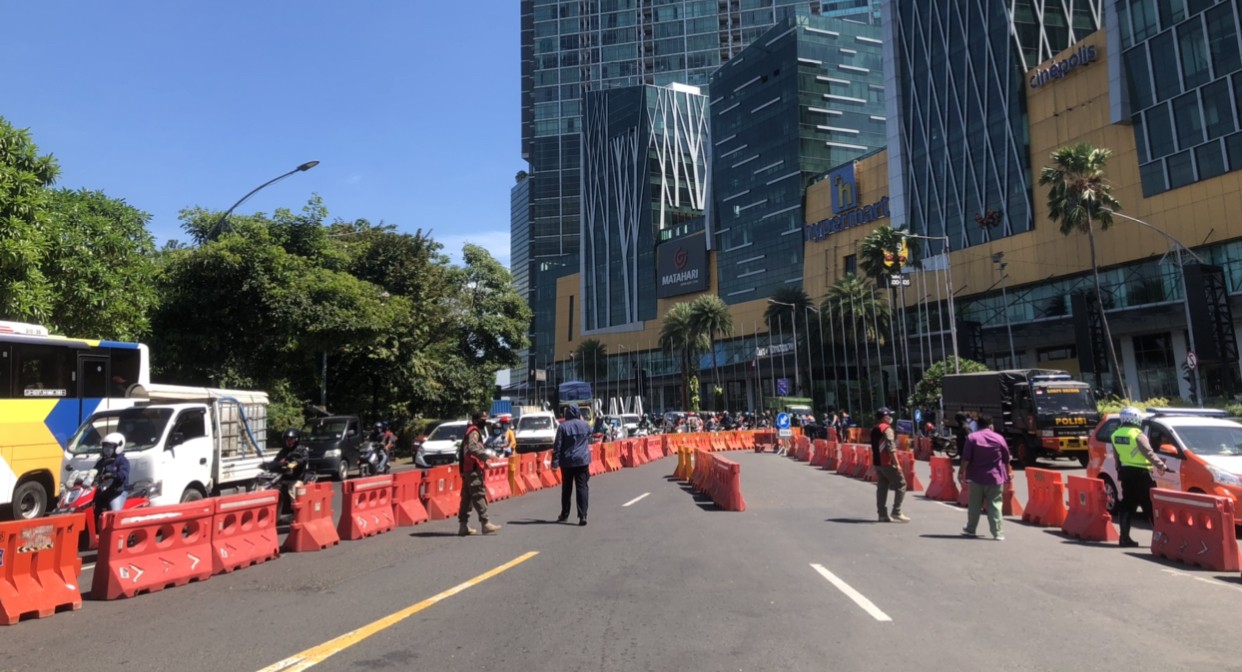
x=386, y=442
x=112, y=474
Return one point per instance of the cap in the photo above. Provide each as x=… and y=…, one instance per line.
x=883, y=411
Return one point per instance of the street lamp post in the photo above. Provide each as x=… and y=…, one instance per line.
x=949, y=279
x=794, y=314
x=218, y=227
x=999, y=260
x=1190, y=327
x=822, y=361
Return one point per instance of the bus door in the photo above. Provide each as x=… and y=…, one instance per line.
x=93, y=382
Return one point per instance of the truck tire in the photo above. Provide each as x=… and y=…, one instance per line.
x=191, y=494
x=29, y=500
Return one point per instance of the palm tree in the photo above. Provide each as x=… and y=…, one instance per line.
x=710, y=315
x=852, y=304
x=589, y=353
x=882, y=253
x=680, y=335
x=1078, y=196
x=785, y=305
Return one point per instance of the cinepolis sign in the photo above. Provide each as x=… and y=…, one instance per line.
x=1086, y=54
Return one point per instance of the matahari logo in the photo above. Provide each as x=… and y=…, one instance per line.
x=680, y=258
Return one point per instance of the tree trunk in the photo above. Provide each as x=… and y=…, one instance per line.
x=1120, y=382
x=715, y=368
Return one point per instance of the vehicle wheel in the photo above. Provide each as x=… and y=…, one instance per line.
x=29, y=501
x=342, y=471
x=1110, y=492
x=191, y=494
x=1084, y=459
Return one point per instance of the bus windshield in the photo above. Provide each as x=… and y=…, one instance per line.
x=1053, y=400
x=141, y=427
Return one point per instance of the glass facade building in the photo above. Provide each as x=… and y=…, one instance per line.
x=805, y=97
x=519, y=249
x=1183, y=71
x=959, y=150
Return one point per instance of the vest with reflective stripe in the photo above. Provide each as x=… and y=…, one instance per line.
x=1125, y=446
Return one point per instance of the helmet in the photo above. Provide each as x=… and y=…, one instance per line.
x=116, y=440
x=1131, y=416
x=504, y=419
x=292, y=438
x=379, y=427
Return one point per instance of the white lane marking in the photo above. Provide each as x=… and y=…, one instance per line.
x=950, y=505
x=90, y=566
x=636, y=499
x=854, y=595
x=1211, y=582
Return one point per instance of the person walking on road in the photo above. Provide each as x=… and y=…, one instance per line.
x=571, y=453
x=985, y=466
x=474, y=456
x=887, y=470
x=1135, y=460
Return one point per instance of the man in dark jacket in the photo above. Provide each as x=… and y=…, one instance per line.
x=571, y=452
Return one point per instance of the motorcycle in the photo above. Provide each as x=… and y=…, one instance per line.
x=82, y=497
x=369, y=460
x=282, y=477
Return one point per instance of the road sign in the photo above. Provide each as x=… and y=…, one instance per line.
x=784, y=432
x=782, y=421
x=898, y=280
x=1192, y=361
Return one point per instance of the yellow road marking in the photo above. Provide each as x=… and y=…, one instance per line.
x=318, y=654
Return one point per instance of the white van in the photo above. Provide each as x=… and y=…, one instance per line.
x=536, y=432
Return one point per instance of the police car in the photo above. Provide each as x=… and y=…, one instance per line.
x=1201, y=448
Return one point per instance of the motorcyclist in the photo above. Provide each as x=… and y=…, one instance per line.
x=387, y=442
x=112, y=474
x=291, y=460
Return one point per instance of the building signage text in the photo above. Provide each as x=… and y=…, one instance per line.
x=682, y=266
x=1085, y=54
x=847, y=220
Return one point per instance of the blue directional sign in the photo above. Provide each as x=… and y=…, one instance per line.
x=782, y=421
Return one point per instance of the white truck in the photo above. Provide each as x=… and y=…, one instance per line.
x=187, y=443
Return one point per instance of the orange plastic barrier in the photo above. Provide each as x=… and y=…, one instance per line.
x=148, y=550
x=1088, y=518
x=613, y=456
x=1010, y=506
x=655, y=447
x=529, y=469
x=597, y=460
x=243, y=531
x=407, y=504
x=313, y=528
x=517, y=484
x=845, y=467
x=443, y=492
x=819, y=452
x=832, y=456
x=685, y=463
x=803, y=449
x=366, y=507
x=39, y=567
x=1045, y=498
x=1195, y=529
x=547, y=475
x=905, y=459
x=764, y=441
x=942, y=488
x=727, y=476
x=700, y=474
x=862, y=461
x=496, y=480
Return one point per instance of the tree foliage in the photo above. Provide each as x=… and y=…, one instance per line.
x=588, y=355
x=927, y=392
x=710, y=316
x=878, y=250
x=678, y=334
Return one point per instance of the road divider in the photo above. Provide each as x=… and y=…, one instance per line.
x=148, y=550
x=1045, y=498
x=1195, y=529
x=243, y=531
x=1087, y=517
x=442, y=496
x=407, y=503
x=313, y=528
x=942, y=488
x=39, y=567
x=366, y=508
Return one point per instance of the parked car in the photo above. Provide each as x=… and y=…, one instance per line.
x=535, y=432
x=440, y=446
x=332, y=445
x=1201, y=448
x=630, y=421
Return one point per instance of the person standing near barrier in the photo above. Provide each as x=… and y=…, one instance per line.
x=474, y=456
x=887, y=470
x=571, y=453
x=985, y=465
x=1135, y=460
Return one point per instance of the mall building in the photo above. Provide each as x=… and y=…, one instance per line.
x=879, y=125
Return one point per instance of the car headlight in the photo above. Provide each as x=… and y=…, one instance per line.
x=1224, y=477
x=333, y=452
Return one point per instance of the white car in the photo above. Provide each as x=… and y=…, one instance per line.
x=630, y=422
x=535, y=432
x=440, y=446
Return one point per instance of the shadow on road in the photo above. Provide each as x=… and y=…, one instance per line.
x=958, y=536
x=854, y=521
x=432, y=535
x=534, y=521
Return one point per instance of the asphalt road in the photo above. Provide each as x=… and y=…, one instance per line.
x=804, y=579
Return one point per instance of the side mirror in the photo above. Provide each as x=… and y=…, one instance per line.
x=353, y=431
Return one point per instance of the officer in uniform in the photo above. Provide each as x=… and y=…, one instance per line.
x=474, y=456
x=1135, y=460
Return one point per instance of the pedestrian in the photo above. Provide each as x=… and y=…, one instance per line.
x=985, y=466
x=571, y=453
x=472, y=465
x=1135, y=460
x=887, y=470
x=961, y=429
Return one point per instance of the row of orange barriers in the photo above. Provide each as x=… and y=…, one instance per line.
x=717, y=477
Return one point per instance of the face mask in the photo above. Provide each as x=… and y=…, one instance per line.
x=109, y=450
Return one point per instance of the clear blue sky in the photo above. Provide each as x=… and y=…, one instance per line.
x=411, y=106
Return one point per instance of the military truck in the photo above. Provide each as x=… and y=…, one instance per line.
x=1040, y=412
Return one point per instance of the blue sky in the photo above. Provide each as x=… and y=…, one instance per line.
x=411, y=106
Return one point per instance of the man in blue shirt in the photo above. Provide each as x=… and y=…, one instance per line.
x=571, y=452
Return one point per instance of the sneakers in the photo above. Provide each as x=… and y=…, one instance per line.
x=900, y=518
x=999, y=537
x=490, y=528
x=968, y=533
x=562, y=518
x=466, y=531
x=885, y=519
x=582, y=522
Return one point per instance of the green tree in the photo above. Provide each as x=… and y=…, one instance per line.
x=25, y=175
x=589, y=354
x=786, y=307
x=878, y=248
x=710, y=316
x=679, y=335
x=929, y=390
x=1078, y=196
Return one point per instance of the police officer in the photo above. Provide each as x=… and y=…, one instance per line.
x=1135, y=460
x=474, y=457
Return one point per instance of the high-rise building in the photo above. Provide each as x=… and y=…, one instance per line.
x=570, y=47
x=804, y=98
